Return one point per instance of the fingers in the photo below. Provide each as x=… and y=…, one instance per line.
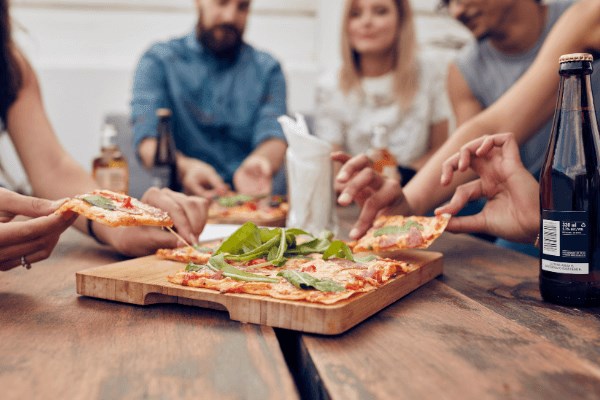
x=469, y=224
x=18, y=204
x=340, y=156
x=351, y=166
x=363, y=180
x=12, y=233
x=33, y=250
x=463, y=194
x=389, y=194
x=189, y=213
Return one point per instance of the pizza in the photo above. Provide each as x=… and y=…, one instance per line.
x=199, y=254
x=309, y=278
x=239, y=208
x=287, y=264
x=390, y=233
x=115, y=209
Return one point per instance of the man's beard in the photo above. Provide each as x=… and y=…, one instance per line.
x=224, y=40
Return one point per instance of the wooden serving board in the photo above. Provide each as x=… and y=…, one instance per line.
x=143, y=281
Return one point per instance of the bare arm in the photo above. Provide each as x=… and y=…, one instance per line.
x=437, y=136
x=54, y=174
x=464, y=104
x=521, y=110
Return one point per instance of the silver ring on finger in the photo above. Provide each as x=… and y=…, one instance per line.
x=24, y=263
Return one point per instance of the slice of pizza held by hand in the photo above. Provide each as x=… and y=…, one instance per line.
x=115, y=209
x=398, y=232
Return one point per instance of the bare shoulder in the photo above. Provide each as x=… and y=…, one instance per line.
x=28, y=76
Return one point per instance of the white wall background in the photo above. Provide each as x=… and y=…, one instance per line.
x=85, y=51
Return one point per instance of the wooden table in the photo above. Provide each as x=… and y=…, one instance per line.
x=480, y=331
x=55, y=344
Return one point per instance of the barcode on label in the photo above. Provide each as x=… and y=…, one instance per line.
x=551, y=237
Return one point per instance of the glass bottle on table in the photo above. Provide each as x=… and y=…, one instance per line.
x=110, y=169
x=383, y=160
x=164, y=170
x=570, y=192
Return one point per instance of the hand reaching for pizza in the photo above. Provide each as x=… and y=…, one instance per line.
x=35, y=238
x=512, y=208
x=254, y=177
x=201, y=179
x=189, y=214
x=374, y=193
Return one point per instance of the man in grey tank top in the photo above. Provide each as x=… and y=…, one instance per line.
x=508, y=36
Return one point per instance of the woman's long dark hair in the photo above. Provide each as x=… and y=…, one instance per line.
x=10, y=75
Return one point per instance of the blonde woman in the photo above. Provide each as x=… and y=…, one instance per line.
x=383, y=82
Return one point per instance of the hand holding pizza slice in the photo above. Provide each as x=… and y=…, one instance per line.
x=134, y=219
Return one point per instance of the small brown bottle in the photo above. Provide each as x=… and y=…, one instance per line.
x=570, y=192
x=110, y=168
x=164, y=170
x=384, y=161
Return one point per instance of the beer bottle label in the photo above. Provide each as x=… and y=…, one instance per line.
x=565, y=242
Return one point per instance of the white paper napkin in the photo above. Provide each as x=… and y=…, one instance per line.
x=310, y=178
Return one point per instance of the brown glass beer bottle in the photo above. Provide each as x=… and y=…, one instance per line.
x=570, y=192
x=110, y=168
x=164, y=171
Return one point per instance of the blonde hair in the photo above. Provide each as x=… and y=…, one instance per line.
x=404, y=56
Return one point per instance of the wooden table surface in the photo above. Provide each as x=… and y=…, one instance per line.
x=55, y=344
x=480, y=331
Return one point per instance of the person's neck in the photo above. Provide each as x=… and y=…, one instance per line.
x=524, y=25
x=373, y=65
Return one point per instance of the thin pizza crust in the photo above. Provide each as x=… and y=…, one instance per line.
x=257, y=211
x=353, y=276
x=128, y=212
x=416, y=237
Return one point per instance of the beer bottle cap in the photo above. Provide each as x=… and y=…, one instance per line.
x=575, y=57
x=163, y=112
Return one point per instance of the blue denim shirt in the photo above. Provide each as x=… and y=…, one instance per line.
x=222, y=110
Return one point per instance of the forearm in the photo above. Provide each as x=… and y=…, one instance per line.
x=273, y=150
x=424, y=191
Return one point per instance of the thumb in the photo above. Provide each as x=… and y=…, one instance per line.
x=32, y=206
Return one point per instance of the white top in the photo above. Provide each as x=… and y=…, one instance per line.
x=348, y=120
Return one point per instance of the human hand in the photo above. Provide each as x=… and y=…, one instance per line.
x=373, y=192
x=31, y=240
x=199, y=178
x=254, y=177
x=512, y=209
x=189, y=215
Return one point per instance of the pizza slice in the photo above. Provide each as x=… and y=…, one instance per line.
x=240, y=208
x=198, y=254
x=115, y=209
x=398, y=232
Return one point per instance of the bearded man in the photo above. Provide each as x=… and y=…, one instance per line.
x=225, y=97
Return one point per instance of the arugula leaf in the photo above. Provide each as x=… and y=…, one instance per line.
x=191, y=267
x=365, y=259
x=217, y=263
x=338, y=249
x=100, y=201
x=305, y=281
x=203, y=249
x=232, y=201
x=246, y=235
x=393, y=229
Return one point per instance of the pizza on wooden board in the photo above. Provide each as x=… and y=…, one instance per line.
x=239, y=208
x=115, y=209
x=285, y=264
x=396, y=232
